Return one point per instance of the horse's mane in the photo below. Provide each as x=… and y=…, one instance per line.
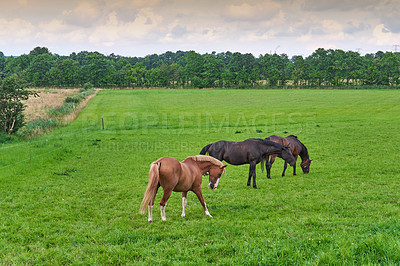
x=205, y=158
x=304, y=152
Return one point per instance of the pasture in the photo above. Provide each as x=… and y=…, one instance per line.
x=73, y=196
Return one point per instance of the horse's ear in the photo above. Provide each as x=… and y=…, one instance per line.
x=223, y=167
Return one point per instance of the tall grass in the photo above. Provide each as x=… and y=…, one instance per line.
x=73, y=196
x=55, y=115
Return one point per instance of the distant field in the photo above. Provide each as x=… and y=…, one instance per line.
x=48, y=98
x=73, y=196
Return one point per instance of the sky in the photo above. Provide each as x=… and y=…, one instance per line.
x=144, y=27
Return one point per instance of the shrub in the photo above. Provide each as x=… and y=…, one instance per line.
x=6, y=138
x=64, y=109
x=72, y=100
x=12, y=92
x=88, y=86
x=37, y=126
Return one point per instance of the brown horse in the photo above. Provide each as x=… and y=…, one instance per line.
x=184, y=176
x=296, y=147
x=249, y=151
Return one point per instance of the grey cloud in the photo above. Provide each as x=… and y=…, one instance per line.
x=317, y=32
x=390, y=17
x=148, y=21
x=126, y=15
x=338, y=5
x=179, y=31
x=259, y=11
x=393, y=25
x=350, y=28
x=84, y=15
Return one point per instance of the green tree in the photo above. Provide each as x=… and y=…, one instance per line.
x=389, y=68
x=176, y=74
x=39, y=51
x=274, y=68
x=2, y=65
x=319, y=67
x=97, y=70
x=213, y=68
x=194, y=68
x=65, y=72
x=17, y=65
x=12, y=92
x=299, y=71
x=37, y=72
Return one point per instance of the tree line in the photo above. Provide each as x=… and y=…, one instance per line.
x=323, y=68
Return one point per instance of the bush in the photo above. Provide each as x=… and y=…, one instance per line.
x=42, y=124
x=64, y=109
x=12, y=92
x=6, y=138
x=88, y=86
x=72, y=100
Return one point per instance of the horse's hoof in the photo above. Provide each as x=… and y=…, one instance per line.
x=150, y=221
x=269, y=177
x=254, y=187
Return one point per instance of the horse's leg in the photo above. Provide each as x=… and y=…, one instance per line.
x=184, y=203
x=150, y=217
x=294, y=166
x=284, y=169
x=250, y=175
x=253, y=166
x=269, y=165
x=199, y=195
x=163, y=202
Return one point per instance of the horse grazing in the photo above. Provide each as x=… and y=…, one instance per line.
x=184, y=176
x=296, y=147
x=249, y=151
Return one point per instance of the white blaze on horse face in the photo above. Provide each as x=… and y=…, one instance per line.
x=184, y=204
x=215, y=185
x=150, y=218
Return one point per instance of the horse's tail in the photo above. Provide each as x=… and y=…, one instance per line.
x=205, y=149
x=151, y=190
x=263, y=159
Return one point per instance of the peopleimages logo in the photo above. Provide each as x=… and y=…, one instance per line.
x=207, y=122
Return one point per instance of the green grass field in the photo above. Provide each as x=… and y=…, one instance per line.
x=73, y=196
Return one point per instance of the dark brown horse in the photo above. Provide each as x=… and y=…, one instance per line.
x=184, y=176
x=296, y=147
x=249, y=151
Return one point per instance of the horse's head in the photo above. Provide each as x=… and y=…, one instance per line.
x=288, y=156
x=305, y=166
x=215, y=173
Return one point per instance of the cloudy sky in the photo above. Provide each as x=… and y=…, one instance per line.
x=142, y=27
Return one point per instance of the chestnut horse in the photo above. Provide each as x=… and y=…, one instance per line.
x=184, y=176
x=296, y=147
